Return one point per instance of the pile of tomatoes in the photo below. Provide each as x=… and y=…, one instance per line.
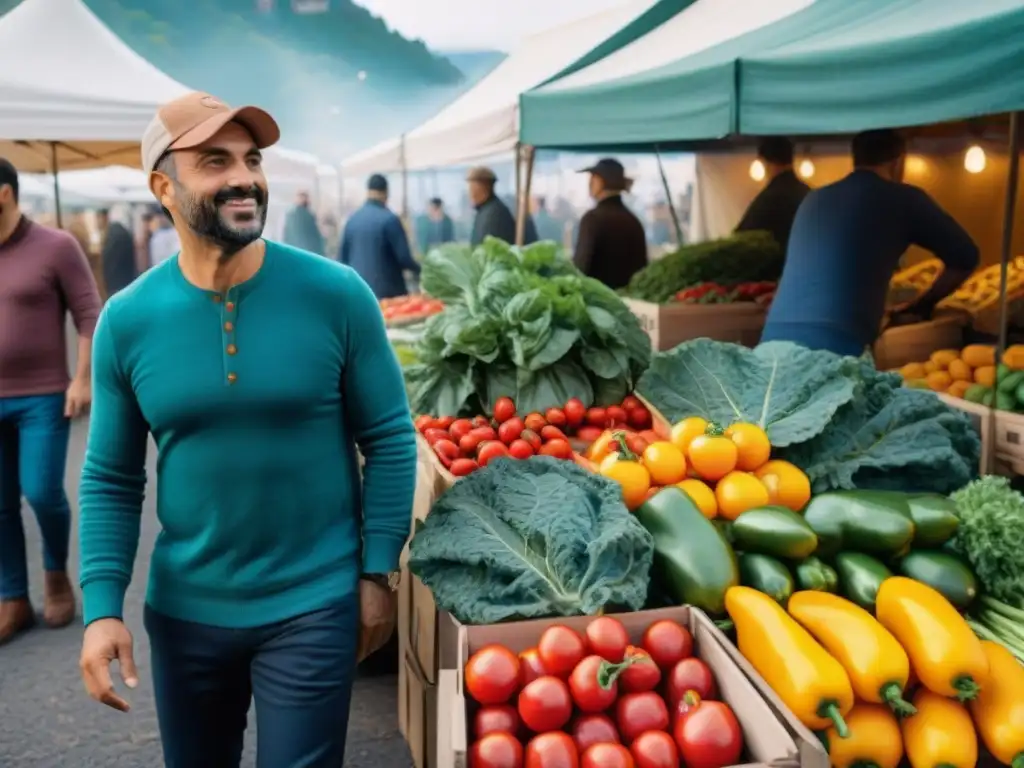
x=465, y=445
x=593, y=700
x=725, y=471
x=409, y=308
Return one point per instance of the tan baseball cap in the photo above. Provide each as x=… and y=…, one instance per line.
x=194, y=118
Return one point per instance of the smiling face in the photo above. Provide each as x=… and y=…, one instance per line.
x=217, y=189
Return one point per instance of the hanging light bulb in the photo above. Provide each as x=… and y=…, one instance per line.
x=806, y=169
x=757, y=172
x=974, y=159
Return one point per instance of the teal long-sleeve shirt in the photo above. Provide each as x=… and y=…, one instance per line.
x=257, y=400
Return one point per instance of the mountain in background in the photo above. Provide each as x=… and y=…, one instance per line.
x=336, y=78
x=474, y=64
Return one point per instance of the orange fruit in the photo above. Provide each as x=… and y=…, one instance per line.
x=737, y=492
x=700, y=493
x=787, y=484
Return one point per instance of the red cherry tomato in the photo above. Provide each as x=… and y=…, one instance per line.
x=463, y=467
x=636, y=443
x=552, y=750
x=640, y=418
x=639, y=712
x=591, y=693
x=655, y=749
x=588, y=434
x=707, y=733
x=552, y=433
x=668, y=643
x=530, y=667
x=561, y=649
x=480, y=421
x=642, y=675
x=486, y=432
x=690, y=674
x=608, y=638
x=594, y=729
x=444, y=422
x=460, y=428
x=496, y=718
x=617, y=415
x=511, y=430
x=496, y=750
x=533, y=439
x=504, y=409
x=489, y=451
x=492, y=675
x=545, y=704
x=575, y=412
x=560, y=449
x=520, y=449
x=607, y=756
x=433, y=434
x=556, y=417
x=631, y=402
x=535, y=421
x=446, y=451
x=423, y=423
x=597, y=417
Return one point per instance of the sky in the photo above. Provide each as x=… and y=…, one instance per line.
x=462, y=25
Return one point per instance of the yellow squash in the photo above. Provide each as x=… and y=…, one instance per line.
x=875, y=739
x=999, y=709
x=945, y=654
x=811, y=683
x=940, y=734
x=876, y=663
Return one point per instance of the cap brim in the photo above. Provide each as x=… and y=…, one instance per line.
x=264, y=129
x=587, y=170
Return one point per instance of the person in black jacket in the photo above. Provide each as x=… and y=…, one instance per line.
x=612, y=244
x=493, y=216
x=775, y=206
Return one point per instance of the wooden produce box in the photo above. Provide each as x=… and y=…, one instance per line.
x=768, y=741
x=669, y=325
x=914, y=343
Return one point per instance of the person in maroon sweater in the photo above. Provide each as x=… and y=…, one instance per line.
x=43, y=274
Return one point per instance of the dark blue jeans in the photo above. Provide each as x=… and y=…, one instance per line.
x=33, y=453
x=299, y=672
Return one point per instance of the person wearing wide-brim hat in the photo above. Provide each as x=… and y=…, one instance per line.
x=493, y=217
x=612, y=244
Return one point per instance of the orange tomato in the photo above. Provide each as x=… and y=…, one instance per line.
x=753, y=448
x=631, y=475
x=700, y=493
x=712, y=455
x=737, y=492
x=787, y=484
x=665, y=462
x=601, y=447
x=683, y=433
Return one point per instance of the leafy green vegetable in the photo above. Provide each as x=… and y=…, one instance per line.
x=738, y=258
x=991, y=536
x=529, y=539
x=788, y=390
x=523, y=323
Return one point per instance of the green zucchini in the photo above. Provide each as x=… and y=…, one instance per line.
x=693, y=562
x=980, y=394
x=766, y=574
x=943, y=572
x=860, y=576
x=875, y=522
x=1019, y=394
x=815, y=575
x=776, y=531
x=1009, y=381
x=935, y=519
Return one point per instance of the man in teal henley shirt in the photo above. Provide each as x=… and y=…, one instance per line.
x=258, y=369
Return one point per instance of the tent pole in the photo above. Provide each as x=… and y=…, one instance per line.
x=56, y=184
x=524, y=193
x=405, y=181
x=668, y=198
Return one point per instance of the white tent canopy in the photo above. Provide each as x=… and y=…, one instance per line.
x=484, y=121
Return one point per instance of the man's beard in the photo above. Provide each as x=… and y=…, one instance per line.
x=204, y=217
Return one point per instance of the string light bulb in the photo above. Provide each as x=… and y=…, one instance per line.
x=757, y=171
x=974, y=159
x=806, y=169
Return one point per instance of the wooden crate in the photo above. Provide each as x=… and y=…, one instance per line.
x=914, y=343
x=669, y=325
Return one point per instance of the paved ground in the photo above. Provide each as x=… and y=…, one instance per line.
x=47, y=720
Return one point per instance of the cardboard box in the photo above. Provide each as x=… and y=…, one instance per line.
x=767, y=740
x=418, y=714
x=671, y=324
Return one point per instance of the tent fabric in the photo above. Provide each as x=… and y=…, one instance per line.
x=484, y=121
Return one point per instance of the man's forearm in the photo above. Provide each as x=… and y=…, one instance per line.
x=947, y=283
x=83, y=370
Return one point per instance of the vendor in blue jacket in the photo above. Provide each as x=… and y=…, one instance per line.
x=375, y=244
x=846, y=243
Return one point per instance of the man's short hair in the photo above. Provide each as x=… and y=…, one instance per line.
x=437, y=202
x=9, y=177
x=777, y=150
x=879, y=147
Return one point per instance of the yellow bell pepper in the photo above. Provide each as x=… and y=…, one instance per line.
x=945, y=654
x=811, y=683
x=999, y=709
x=876, y=663
x=940, y=734
x=875, y=739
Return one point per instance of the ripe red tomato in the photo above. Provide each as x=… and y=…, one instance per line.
x=423, y=423
x=707, y=733
x=588, y=730
x=588, y=434
x=511, y=430
x=552, y=750
x=617, y=415
x=545, y=704
x=444, y=422
x=631, y=402
x=655, y=749
x=463, y=467
x=640, y=418
x=530, y=667
x=496, y=750
x=492, y=675
x=589, y=691
x=552, y=433
x=496, y=718
x=433, y=434
x=560, y=449
x=607, y=756
x=690, y=674
x=520, y=449
x=480, y=421
x=535, y=421
x=639, y=712
x=597, y=417
x=460, y=428
x=642, y=675
x=489, y=451
x=556, y=417
x=532, y=438
x=575, y=412
x=504, y=409
x=561, y=649
x=607, y=638
x=446, y=451
x=636, y=443
x=486, y=432
x=668, y=643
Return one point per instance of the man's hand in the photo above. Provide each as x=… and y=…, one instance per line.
x=376, y=617
x=106, y=640
x=77, y=398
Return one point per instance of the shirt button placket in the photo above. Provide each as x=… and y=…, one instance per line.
x=228, y=333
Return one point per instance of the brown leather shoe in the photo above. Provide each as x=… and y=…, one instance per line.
x=15, y=617
x=59, y=605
